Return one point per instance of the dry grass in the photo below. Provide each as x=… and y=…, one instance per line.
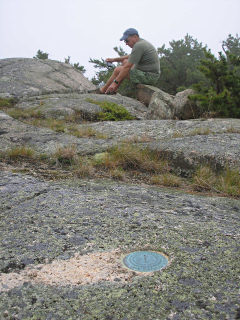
x=85, y=131
x=66, y=155
x=69, y=125
x=131, y=157
x=84, y=168
x=19, y=153
x=126, y=163
x=226, y=182
x=118, y=174
x=232, y=130
x=200, y=131
x=25, y=114
x=167, y=180
x=177, y=134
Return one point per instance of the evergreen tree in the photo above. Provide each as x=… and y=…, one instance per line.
x=41, y=55
x=179, y=64
x=75, y=65
x=231, y=45
x=222, y=95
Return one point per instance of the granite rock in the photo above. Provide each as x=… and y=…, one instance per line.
x=21, y=77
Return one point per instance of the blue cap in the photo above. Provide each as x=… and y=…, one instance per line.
x=129, y=32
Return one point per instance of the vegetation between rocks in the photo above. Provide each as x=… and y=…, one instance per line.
x=7, y=102
x=126, y=162
x=111, y=111
x=36, y=117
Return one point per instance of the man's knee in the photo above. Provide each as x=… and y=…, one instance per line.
x=118, y=69
x=124, y=62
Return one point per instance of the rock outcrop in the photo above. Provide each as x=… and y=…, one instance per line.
x=187, y=144
x=51, y=223
x=59, y=105
x=162, y=105
x=21, y=77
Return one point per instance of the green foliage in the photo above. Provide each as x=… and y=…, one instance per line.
x=75, y=65
x=41, y=55
x=232, y=45
x=7, y=102
x=111, y=111
x=179, y=64
x=103, y=72
x=222, y=95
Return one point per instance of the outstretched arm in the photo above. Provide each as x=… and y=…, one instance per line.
x=118, y=59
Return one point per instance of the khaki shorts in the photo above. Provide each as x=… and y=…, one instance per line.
x=139, y=76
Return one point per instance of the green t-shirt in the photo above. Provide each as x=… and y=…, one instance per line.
x=144, y=56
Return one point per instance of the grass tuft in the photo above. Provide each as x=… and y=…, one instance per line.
x=25, y=114
x=226, y=182
x=131, y=157
x=117, y=174
x=229, y=182
x=200, y=131
x=167, y=180
x=83, y=168
x=85, y=132
x=66, y=155
x=20, y=153
x=7, y=102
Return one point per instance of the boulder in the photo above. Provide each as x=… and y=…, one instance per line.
x=144, y=93
x=20, y=77
x=184, y=108
x=162, y=105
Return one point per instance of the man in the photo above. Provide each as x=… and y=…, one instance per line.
x=141, y=66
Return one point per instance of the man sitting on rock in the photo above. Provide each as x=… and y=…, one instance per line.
x=141, y=66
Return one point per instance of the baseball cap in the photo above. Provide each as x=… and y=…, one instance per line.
x=129, y=32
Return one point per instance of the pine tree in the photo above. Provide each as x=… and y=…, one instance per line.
x=222, y=94
x=179, y=64
x=41, y=55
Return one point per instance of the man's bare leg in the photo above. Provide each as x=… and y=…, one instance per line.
x=116, y=72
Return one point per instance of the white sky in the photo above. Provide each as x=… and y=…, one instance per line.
x=84, y=29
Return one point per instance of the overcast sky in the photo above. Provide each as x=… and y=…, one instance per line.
x=84, y=29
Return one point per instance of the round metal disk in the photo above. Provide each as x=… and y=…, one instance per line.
x=145, y=261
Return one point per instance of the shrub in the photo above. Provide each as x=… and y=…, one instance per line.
x=111, y=111
x=222, y=94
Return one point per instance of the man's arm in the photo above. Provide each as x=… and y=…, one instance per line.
x=118, y=59
x=124, y=72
